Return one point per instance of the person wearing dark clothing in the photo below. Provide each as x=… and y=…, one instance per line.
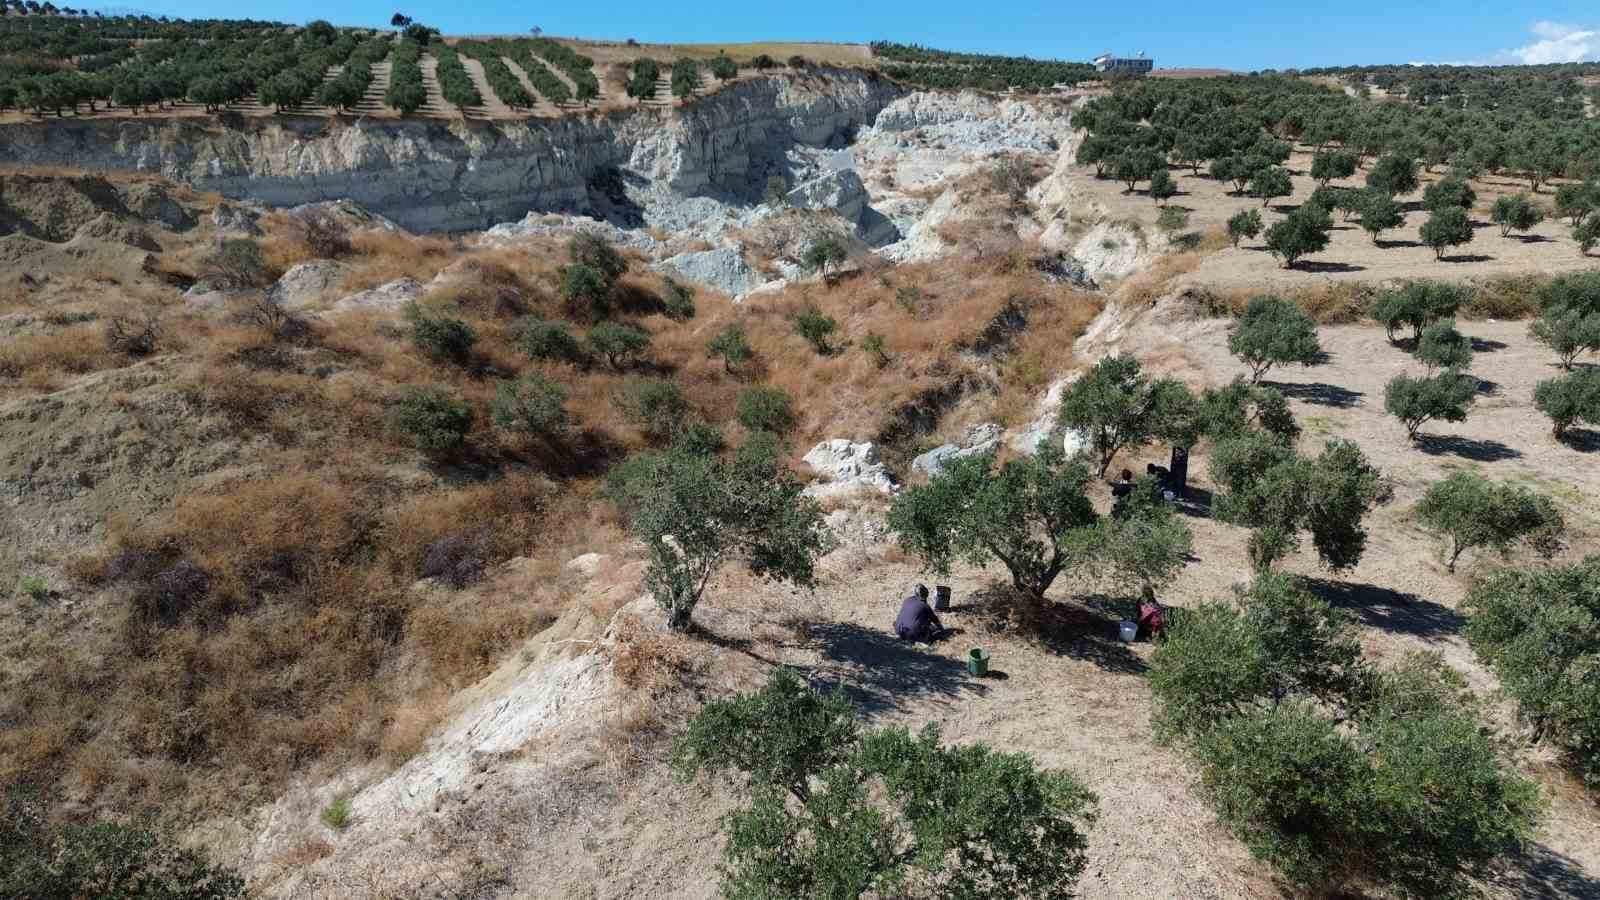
x=917, y=621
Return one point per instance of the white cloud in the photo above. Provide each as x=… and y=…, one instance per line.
x=1559, y=43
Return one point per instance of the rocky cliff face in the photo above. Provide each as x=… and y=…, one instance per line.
x=457, y=176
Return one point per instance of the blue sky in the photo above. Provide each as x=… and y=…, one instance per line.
x=1238, y=34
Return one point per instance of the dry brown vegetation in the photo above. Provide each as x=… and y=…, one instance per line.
x=271, y=619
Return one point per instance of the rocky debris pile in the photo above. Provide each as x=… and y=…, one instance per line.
x=235, y=219
x=150, y=201
x=117, y=230
x=723, y=269
x=391, y=296
x=346, y=213
x=306, y=283
x=979, y=439
x=1062, y=268
x=847, y=467
x=551, y=225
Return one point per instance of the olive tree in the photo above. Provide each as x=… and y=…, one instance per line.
x=832, y=811
x=532, y=405
x=823, y=254
x=1379, y=213
x=1473, y=512
x=1326, y=167
x=1244, y=224
x=1417, y=305
x=1273, y=331
x=1452, y=190
x=1301, y=233
x=1568, y=399
x=1393, y=174
x=732, y=346
x=1031, y=515
x=618, y=342
x=1270, y=182
x=1540, y=630
x=1117, y=407
x=1443, y=347
x=1515, y=213
x=1335, y=772
x=1447, y=227
x=1569, y=316
x=694, y=512
x=1269, y=488
x=1416, y=401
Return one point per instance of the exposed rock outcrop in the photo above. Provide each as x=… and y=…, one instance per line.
x=460, y=175
x=978, y=440
x=847, y=467
x=306, y=283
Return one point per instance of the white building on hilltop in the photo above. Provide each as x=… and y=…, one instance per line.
x=1119, y=65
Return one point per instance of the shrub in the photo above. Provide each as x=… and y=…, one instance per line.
x=130, y=862
x=1028, y=515
x=336, y=814
x=456, y=558
x=1474, y=512
x=619, y=343
x=1416, y=401
x=763, y=408
x=823, y=254
x=431, y=418
x=797, y=62
x=324, y=236
x=1540, y=630
x=586, y=291
x=873, y=345
x=1245, y=223
x=815, y=328
x=1273, y=331
x=694, y=512
x=532, y=405
x=656, y=405
x=678, y=304
x=1443, y=347
x=439, y=336
x=551, y=341
x=237, y=263
x=134, y=338
x=1013, y=177
x=828, y=806
x=732, y=345
x=1571, y=398
x=1118, y=408
x=723, y=68
x=1172, y=219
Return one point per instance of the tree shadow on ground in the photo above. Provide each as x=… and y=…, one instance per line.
x=1479, y=450
x=1398, y=612
x=1466, y=258
x=1581, y=439
x=1319, y=393
x=1391, y=245
x=1196, y=502
x=1313, y=266
x=881, y=673
x=1540, y=873
x=1085, y=629
x=1533, y=239
x=1482, y=345
x=1487, y=388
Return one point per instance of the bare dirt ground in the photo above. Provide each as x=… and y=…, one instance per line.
x=1351, y=255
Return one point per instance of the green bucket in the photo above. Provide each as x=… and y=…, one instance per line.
x=978, y=662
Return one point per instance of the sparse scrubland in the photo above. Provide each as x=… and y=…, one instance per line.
x=342, y=560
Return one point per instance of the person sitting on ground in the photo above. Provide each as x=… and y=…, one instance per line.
x=917, y=621
x=1152, y=616
x=1123, y=486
